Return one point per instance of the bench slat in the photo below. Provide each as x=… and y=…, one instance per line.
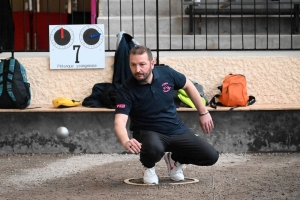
x=50, y=108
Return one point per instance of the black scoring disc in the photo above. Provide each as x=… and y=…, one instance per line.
x=62, y=41
x=87, y=39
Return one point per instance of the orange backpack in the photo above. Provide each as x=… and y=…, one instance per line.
x=233, y=92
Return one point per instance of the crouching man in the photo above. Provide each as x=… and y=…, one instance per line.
x=148, y=99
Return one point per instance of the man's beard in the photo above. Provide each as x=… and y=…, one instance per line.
x=144, y=80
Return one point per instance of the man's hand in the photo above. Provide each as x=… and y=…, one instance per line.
x=133, y=146
x=206, y=123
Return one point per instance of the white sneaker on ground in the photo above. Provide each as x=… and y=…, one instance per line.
x=149, y=176
x=174, y=168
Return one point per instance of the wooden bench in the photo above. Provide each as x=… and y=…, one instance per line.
x=50, y=108
x=208, y=8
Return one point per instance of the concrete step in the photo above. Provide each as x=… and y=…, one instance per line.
x=246, y=25
x=211, y=26
x=139, y=7
x=245, y=4
x=167, y=25
x=171, y=20
x=174, y=7
x=212, y=42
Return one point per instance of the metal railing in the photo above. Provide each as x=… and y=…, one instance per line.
x=166, y=25
x=267, y=24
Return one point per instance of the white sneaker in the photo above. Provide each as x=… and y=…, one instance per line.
x=174, y=168
x=150, y=176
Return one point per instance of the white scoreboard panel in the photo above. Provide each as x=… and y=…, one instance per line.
x=77, y=46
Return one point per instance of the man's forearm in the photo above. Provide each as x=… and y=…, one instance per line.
x=121, y=134
x=198, y=103
x=205, y=119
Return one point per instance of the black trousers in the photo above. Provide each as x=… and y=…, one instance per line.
x=186, y=148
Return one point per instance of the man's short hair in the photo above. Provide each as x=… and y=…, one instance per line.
x=139, y=50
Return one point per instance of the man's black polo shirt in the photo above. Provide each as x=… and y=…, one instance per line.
x=151, y=106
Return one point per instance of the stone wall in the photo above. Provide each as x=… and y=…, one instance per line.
x=273, y=77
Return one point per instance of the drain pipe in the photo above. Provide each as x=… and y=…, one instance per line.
x=157, y=35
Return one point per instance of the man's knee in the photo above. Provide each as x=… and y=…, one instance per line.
x=214, y=157
x=151, y=156
x=153, y=150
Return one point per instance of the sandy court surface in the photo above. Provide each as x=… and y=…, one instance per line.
x=101, y=176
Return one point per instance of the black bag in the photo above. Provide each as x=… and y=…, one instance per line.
x=103, y=96
x=14, y=87
x=6, y=26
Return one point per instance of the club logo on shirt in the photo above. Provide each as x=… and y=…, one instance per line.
x=120, y=105
x=165, y=86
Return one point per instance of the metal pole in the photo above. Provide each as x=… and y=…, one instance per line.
x=157, y=34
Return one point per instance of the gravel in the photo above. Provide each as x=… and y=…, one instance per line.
x=101, y=176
